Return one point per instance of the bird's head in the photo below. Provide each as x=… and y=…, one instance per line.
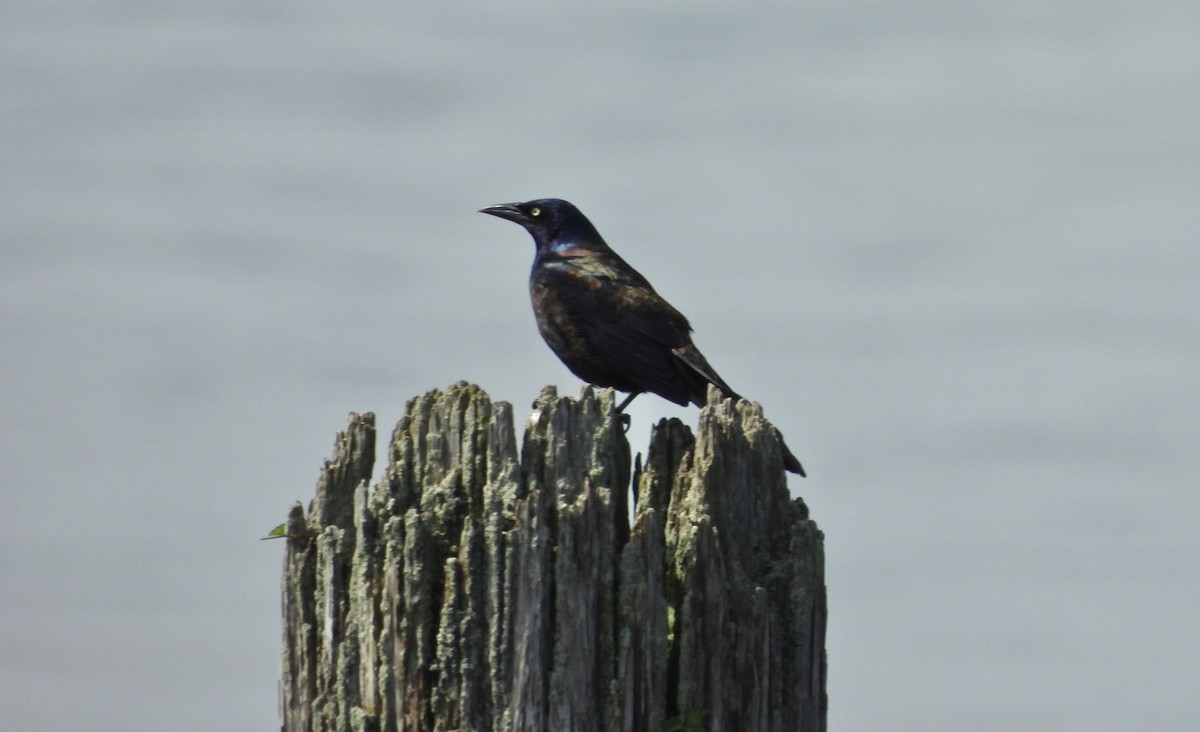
x=552, y=222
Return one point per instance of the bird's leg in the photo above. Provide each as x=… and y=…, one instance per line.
x=624, y=418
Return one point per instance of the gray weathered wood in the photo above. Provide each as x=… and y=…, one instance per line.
x=475, y=587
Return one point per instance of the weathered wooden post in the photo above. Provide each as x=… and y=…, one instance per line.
x=477, y=588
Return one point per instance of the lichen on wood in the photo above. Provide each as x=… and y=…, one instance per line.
x=475, y=587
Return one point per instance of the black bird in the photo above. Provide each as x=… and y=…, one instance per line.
x=603, y=319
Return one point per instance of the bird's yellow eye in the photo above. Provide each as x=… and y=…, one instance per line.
x=535, y=211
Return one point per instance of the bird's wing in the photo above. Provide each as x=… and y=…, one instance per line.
x=634, y=334
x=691, y=356
x=640, y=331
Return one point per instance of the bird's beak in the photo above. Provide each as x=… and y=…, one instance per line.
x=508, y=211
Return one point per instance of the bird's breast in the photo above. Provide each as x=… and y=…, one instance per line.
x=551, y=311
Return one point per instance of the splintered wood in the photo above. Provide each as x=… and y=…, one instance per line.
x=475, y=587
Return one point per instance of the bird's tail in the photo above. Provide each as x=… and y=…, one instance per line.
x=790, y=461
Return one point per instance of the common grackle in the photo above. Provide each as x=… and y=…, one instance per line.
x=603, y=319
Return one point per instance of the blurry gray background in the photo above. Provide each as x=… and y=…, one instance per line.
x=950, y=246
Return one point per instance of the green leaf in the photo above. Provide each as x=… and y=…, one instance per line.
x=278, y=532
